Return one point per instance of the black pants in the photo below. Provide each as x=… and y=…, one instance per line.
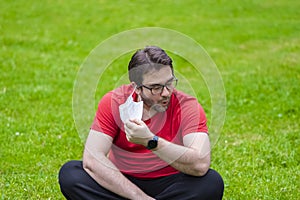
x=75, y=183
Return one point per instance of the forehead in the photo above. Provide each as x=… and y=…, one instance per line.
x=158, y=76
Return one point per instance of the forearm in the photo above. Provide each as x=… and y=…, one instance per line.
x=193, y=157
x=188, y=160
x=107, y=175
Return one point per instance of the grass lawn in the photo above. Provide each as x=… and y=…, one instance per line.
x=255, y=45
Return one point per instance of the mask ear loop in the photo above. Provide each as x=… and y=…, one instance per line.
x=139, y=97
x=133, y=90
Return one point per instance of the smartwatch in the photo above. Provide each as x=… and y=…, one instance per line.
x=152, y=143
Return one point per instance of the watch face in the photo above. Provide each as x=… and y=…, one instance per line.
x=152, y=144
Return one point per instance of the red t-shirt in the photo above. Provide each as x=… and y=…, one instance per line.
x=183, y=116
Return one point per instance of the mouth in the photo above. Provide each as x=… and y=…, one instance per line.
x=161, y=106
x=165, y=102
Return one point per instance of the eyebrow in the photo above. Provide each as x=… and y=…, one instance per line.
x=157, y=84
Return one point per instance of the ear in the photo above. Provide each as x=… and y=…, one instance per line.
x=133, y=84
x=138, y=91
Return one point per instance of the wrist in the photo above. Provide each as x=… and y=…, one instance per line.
x=147, y=138
x=152, y=143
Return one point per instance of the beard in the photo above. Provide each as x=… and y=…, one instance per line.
x=158, y=106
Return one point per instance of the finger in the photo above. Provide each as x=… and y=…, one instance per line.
x=127, y=130
x=136, y=121
x=127, y=137
x=130, y=125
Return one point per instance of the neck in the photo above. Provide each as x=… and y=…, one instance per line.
x=148, y=113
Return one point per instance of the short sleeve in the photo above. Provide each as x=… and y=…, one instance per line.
x=104, y=120
x=193, y=117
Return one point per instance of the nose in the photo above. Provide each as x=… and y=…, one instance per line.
x=165, y=92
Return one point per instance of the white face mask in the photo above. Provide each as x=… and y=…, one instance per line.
x=131, y=109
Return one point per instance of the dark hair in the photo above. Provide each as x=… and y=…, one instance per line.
x=145, y=60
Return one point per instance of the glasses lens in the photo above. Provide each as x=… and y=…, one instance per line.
x=172, y=84
x=157, y=90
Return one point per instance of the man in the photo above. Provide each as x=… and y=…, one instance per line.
x=162, y=154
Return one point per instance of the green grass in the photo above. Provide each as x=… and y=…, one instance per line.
x=255, y=45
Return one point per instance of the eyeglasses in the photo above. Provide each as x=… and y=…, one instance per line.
x=158, y=88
